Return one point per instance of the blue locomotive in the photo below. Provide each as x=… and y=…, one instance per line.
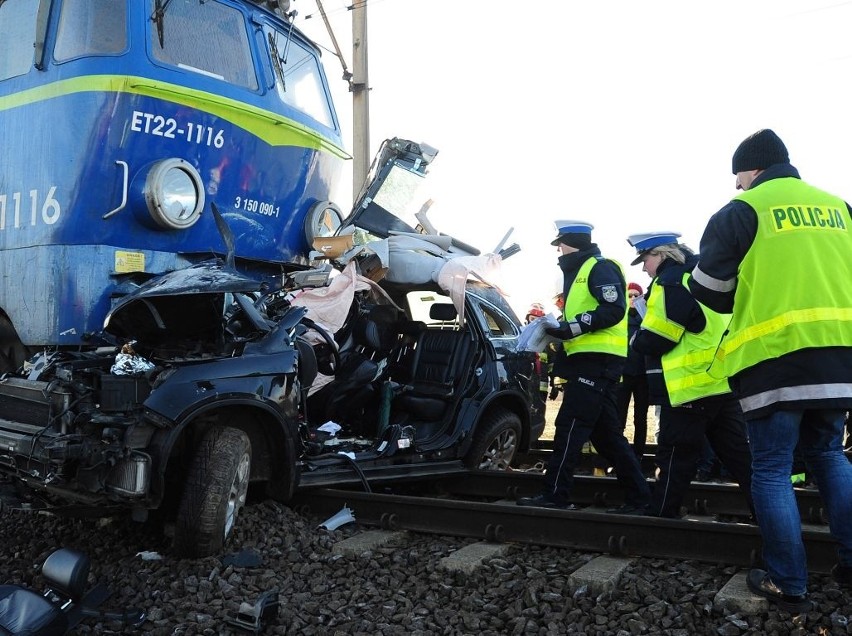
x=121, y=122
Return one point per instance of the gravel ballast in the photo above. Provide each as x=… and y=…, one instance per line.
x=398, y=588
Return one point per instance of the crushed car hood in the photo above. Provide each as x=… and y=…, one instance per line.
x=184, y=301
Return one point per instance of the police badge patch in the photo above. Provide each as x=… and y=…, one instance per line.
x=610, y=293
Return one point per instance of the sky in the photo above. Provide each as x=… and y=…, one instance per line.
x=624, y=114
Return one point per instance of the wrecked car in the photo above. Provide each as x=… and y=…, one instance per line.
x=390, y=356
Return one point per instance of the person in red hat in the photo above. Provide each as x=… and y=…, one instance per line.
x=535, y=311
x=634, y=383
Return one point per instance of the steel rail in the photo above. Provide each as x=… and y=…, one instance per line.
x=703, y=498
x=542, y=448
x=728, y=543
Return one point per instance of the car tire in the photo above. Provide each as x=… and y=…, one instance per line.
x=495, y=441
x=214, y=492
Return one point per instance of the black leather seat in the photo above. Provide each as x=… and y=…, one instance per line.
x=24, y=611
x=440, y=361
x=342, y=400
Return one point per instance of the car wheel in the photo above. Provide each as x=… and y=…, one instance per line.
x=214, y=492
x=495, y=442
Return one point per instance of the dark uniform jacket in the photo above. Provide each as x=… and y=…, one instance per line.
x=681, y=308
x=635, y=364
x=728, y=236
x=604, y=273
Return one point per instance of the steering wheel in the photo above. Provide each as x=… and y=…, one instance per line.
x=325, y=366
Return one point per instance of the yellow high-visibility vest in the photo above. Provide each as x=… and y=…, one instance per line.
x=788, y=296
x=612, y=340
x=685, y=366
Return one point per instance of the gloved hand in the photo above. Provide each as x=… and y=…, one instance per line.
x=554, y=393
x=565, y=330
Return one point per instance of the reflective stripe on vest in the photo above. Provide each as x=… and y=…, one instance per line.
x=612, y=340
x=655, y=318
x=793, y=289
x=685, y=366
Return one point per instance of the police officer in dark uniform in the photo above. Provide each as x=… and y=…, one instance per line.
x=593, y=333
x=679, y=336
x=777, y=257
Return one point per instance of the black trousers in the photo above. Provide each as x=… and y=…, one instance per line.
x=635, y=386
x=682, y=433
x=588, y=413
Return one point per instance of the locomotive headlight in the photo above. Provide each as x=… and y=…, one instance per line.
x=174, y=194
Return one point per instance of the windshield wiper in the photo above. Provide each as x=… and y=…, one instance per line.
x=279, y=60
x=276, y=58
x=160, y=7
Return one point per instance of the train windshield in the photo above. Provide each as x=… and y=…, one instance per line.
x=16, y=44
x=207, y=38
x=91, y=27
x=298, y=81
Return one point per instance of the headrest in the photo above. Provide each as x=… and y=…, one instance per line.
x=67, y=571
x=376, y=329
x=308, y=364
x=443, y=312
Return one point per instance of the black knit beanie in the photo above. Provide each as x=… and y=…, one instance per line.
x=759, y=151
x=579, y=240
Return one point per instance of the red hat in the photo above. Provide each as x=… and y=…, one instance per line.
x=536, y=310
x=635, y=287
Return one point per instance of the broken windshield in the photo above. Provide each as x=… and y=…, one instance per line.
x=398, y=191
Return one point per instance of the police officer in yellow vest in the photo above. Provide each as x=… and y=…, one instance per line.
x=594, y=338
x=778, y=257
x=679, y=335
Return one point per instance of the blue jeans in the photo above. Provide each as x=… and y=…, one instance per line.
x=773, y=439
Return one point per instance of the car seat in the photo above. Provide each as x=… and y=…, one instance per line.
x=25, y=611
x=438, y=366
x=64, y=603
x=373, y=337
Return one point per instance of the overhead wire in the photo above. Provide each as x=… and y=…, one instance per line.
x=358, y=4
x=322, y=12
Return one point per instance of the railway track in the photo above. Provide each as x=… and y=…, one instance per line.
x=482, y=505
x=540, y=452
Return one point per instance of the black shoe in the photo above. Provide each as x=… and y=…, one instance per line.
x=545, y=501
x=842, y=574
x=627, y=509
x=758, y=581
